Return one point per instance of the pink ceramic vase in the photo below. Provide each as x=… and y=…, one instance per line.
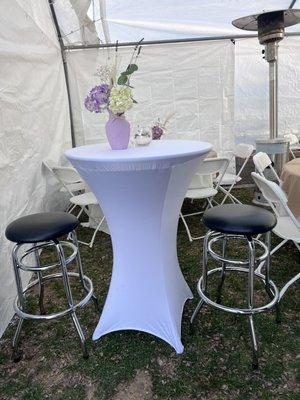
x=117, y=131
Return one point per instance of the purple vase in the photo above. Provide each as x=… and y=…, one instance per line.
x=117, y=131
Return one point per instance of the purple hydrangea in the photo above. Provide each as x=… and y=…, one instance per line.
x=157, y=132
x=97, y=100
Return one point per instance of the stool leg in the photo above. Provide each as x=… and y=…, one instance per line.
x=267, y=277
x=223, y=273
x=80, y=271
x=17, y=354
x=70, y=297
x=250, y=301
x=204, y=280
x=41, y=284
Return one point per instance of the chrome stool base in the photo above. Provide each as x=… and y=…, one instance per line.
x=237, y=266
x=20, y=301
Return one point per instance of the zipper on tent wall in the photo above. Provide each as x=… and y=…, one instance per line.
x=64, y=61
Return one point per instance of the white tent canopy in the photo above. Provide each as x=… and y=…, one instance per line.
x=101, y=21
x=217, y=89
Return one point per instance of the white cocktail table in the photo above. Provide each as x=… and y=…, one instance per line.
x=141, y=191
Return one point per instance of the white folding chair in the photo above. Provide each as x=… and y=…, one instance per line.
x=83, y=201
x=71, y=182
x=287, y=227
x=294, y=144
x=261, y=162
x=203, y=186
x=243, y=151
x=68, y=177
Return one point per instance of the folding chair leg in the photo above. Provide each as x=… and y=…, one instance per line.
x=297, y=245
x=228, y=194
x=261, y=265
x=192, y=238
x=186, y=227
x=96, y=230
x=287, y=285
x=292, y=153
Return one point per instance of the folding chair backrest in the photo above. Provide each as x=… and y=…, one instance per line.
x=291, y=138
x=49, y=165
x=66, y=176
x=262, y=161
x=213, y=166
x=275, y=197
x=208, y=170
x=244, y=150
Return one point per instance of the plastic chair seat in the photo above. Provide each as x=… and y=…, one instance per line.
x=76, y=187
x=41, y=227
x=229, y=179
x=201, y=193
x=239, y=219
x=84, y=199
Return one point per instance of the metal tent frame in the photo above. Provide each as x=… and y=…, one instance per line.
x=67, y=48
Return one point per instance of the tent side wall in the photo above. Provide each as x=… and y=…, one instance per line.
x=34, y=123
x=252, y=89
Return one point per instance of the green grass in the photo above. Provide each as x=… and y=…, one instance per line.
x=216, y=363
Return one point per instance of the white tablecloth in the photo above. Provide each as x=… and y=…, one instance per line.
x=141, y=191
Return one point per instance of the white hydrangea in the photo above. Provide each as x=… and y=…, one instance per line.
x=120, y=99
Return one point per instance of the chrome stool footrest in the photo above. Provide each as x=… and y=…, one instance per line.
x=47, y=317
x=42, y=246
x=218, y=257
x=234, y=310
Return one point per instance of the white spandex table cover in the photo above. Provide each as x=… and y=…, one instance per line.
x=141, y=191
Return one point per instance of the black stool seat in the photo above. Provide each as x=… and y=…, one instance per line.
x=239, y=219
x=41, y=227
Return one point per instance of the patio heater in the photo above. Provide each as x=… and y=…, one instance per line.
x=270, y=28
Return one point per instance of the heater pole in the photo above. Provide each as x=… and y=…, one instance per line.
x=272, y=58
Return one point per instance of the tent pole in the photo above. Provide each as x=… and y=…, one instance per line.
x=203, y=39
x=64, y=60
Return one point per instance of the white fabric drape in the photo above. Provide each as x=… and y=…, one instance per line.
x=34, y=123
x=74, y=23
x=194, y=80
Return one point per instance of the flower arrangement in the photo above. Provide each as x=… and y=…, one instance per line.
x=158, y=128
x=113, y=94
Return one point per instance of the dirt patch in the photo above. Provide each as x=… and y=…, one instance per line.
x=139, y=389
x=167, y=366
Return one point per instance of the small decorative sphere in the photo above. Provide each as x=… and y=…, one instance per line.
x=143, y=137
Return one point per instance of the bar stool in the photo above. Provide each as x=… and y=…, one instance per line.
x=238, y=222
x=38, y=232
